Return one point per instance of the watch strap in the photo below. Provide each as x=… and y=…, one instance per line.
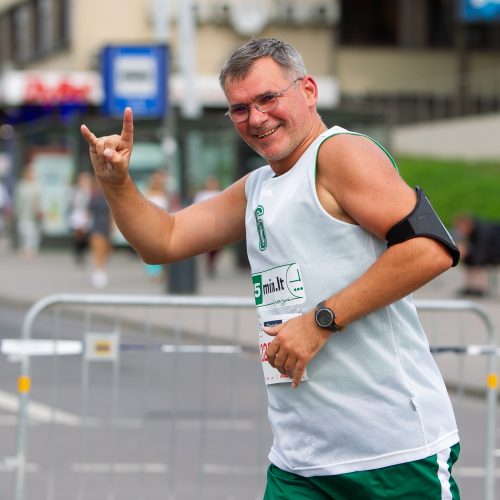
x=333, y=327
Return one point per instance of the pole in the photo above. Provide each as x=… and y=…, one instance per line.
x=190, y=106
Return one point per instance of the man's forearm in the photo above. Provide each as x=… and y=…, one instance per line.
x=143, y=224
x=399, y=271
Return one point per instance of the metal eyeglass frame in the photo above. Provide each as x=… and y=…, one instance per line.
x=273, y=103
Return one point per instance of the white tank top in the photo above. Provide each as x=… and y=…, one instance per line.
x=375, y=396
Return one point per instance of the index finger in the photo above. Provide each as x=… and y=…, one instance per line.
x=127, y=134
x=300, y=368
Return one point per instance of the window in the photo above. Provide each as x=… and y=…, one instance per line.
x=407, y=23
x=369, y=22
x=34, y=29
x=441, y=23
x=484, y=36
x=62, y=20
x=6, y=37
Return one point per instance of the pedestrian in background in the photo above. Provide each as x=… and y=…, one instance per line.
x=5, y=216
x=210, y=189
x=357, y=405
x=156, y=192
x=479, y=242
x=79, y=217
x=28, y=212
x=100, y=236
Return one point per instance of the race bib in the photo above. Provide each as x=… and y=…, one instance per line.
x=280, y=286
x=272, y=375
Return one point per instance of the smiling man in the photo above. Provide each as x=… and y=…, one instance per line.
x=337, y=242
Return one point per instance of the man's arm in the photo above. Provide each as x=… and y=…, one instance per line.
x=357, y=183
x=157, y=235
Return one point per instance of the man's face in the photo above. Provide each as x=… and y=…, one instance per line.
x=274, y=135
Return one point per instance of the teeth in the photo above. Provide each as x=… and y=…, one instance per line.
x=267, y=133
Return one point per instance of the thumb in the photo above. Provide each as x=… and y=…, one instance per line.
x=112, y=158
x=272, y=330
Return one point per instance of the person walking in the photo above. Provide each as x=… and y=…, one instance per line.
x=156, y=193
x=28, y=212
x=210, y=189
x=100, y=236
x=357, y=405
x=480, y=247
x=5, y=216
x=79, y=217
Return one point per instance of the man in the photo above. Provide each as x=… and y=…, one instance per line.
x=360, y=413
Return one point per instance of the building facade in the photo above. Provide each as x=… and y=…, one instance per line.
x=376, y=61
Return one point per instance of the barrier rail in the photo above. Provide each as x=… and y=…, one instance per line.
x=111, y=345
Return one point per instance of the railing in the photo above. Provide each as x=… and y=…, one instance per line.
x=191, y=329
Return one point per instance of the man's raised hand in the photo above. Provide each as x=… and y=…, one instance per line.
x=110, y=155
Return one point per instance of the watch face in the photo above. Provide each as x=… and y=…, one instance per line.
x=324, y=318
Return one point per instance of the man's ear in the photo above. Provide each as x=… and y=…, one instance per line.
x=310, y=89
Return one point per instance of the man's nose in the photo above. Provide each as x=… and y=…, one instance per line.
x=256, y=117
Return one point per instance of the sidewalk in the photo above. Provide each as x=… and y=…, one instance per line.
x=24, y=281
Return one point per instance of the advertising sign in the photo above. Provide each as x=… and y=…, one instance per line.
x=480, y=10
x=54, y=172
x=50, y=87
x=135, y=76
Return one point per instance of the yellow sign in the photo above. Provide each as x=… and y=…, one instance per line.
x=102, y=346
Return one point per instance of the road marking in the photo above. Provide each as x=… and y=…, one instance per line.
x=44, y=414
x=39, y=412
x=472, y=472
x=240, y=470
x=219, y=424
x=159, y=468
x=9, y=464
x=119, y=468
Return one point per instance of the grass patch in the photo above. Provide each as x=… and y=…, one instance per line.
x=455, y=186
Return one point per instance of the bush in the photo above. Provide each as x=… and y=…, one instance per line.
x=455, y=187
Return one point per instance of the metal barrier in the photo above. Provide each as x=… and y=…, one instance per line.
x=111, y=333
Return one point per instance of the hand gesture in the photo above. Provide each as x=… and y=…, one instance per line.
x=110, y=155
x=296, y=342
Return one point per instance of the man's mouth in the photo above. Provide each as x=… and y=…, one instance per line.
x=268, y=133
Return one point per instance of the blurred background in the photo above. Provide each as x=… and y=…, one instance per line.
x=420, y=76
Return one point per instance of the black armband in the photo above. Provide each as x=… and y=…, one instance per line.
x=423, y=221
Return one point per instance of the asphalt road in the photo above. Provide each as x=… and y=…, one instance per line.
x=155, y=425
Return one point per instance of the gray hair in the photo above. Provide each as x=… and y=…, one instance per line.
x=239, y=63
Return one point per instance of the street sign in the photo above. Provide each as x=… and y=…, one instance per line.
x=135, y=76
x=480, y=10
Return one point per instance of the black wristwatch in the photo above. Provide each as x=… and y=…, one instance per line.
x=325, y=318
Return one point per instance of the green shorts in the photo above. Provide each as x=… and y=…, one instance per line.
x=426, y=479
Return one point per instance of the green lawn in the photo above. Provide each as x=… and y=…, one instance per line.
x=455, y=186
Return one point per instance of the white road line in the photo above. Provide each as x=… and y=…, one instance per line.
x=39, y=412
x=240, y=470
x=119, y=468
x=472, y=472
x=44, y=414
x=159, y=468
x=9, y=464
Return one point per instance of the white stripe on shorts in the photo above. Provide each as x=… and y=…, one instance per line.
x=444, y=473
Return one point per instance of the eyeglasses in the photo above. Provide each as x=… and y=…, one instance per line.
x=264, y=104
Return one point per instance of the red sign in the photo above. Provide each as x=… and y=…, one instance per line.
x=38, y=91
x=51, y=87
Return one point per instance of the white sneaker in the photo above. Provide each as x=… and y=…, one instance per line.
x=99, y=278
